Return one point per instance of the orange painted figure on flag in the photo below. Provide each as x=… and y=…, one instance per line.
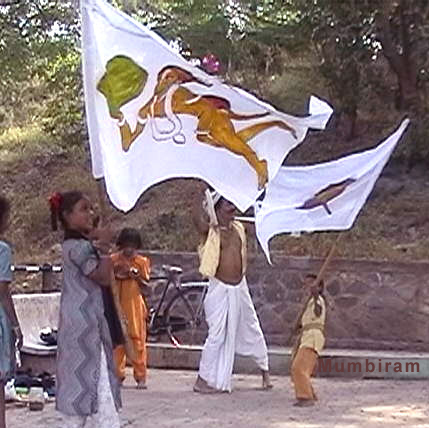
x=131, y=272
x=170, y=99
x=152, y=116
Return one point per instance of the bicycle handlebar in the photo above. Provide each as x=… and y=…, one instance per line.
x=46, y=267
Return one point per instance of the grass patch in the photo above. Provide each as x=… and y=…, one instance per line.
x=392, y=226
x=19, y=143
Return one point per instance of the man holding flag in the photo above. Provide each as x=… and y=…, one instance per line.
x=233, y=325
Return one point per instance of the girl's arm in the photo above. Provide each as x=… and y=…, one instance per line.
x=97, y=267
x=142, y=282
x=103, y=273
x=141, y=274
x=121, y=271
x=7, y=303
x=5, y=298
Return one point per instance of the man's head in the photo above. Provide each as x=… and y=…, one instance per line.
x=225, y=211
x=172, y=74
x=312, y=286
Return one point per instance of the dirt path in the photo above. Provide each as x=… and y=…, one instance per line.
x=169, y=403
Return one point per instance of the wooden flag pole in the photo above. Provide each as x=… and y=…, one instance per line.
x=318, y=279
x=101, y=200
x=128, y=345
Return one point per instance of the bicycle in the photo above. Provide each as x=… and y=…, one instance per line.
x=183, y=317
x=182, y=320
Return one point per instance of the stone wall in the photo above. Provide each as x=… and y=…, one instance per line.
x=373, y=305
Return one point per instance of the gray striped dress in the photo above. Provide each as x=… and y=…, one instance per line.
x=82, y=330
x=7, y=339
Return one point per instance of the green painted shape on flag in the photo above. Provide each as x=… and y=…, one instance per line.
x=123, y=81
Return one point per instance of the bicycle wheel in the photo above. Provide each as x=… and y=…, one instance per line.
x=184, y=317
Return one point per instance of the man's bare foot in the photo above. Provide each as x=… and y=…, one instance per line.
x=304, y=403
x=266, y=381
x=202, y=387
x=141, y=384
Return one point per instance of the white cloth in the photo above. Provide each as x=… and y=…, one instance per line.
x=107, y=416
x=211, y=199
x=325, y=196
x=233, y=329
x=169, y=148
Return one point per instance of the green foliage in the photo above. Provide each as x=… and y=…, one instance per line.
x=17, y=143
x=39, y=65
x=63, y=116
x=365, y=56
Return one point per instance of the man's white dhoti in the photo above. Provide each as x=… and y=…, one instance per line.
x=233, y=329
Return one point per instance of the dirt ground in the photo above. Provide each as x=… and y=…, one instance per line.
x=169, y=403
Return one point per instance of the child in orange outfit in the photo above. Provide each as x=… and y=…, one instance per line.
x=131, y=272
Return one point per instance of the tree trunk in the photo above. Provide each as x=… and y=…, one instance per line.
x=401, y=63
x=349, y=120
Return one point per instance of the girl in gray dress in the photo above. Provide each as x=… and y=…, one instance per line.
x=87, y=387
x=10, y=333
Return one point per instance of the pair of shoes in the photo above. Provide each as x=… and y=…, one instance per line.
x=141, y=384
x=304, y=403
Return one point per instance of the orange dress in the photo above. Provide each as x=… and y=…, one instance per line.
x=134, y=309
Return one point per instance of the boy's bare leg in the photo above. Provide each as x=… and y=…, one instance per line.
x=2, y=407
x=266, y=381
x=202, y=387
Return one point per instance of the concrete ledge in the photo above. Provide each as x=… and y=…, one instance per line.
x=332, y=363
x=39, y=363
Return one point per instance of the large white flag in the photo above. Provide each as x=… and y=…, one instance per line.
x=152, y=116
x=326, y=196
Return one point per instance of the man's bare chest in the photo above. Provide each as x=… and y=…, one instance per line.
x=230, y=239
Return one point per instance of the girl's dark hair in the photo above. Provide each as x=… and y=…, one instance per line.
x=129, y=236
x=62, y=203
x=4, y=209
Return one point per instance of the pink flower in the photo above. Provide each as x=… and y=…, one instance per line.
x=211, y=64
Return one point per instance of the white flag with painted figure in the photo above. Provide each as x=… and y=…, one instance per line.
x=326, y=196
x=152, y=116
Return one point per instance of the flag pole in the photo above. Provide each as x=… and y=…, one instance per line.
x=246, y=219
x=318, y=279
x=129, y=347
x=101, y=200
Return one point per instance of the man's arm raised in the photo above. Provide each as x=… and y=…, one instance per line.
x=199, y=216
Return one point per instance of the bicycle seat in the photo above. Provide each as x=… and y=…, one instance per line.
x=173, y=269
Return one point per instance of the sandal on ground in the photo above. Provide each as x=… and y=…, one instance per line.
x=304, y=403
x=141, y=384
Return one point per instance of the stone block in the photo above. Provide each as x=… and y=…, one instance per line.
x=377, y=304
x=346, y=302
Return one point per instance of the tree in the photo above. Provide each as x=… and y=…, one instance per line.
x=403, y=31
x=39, y=61
x=368, y=50
x=372, y=54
